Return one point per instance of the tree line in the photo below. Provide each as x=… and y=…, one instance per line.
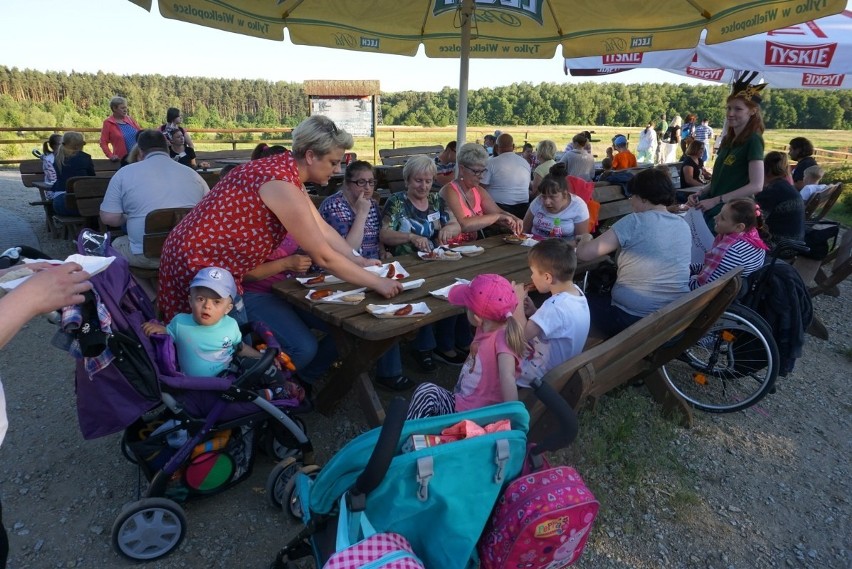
x=35, y=98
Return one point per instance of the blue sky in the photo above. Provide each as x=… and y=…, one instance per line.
x=117, y=36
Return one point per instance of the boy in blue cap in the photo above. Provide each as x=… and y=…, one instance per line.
x=207, y=339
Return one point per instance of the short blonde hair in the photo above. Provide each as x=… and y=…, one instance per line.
x=419, y=164
x=319, y=134
x=546, y=150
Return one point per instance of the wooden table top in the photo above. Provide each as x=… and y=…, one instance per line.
x=505, y=259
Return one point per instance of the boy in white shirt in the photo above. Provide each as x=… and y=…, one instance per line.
x=557, y=331
x=811, y=178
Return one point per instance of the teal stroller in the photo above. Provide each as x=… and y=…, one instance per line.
x=438, y=497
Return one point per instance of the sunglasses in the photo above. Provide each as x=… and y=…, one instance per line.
x=364, y=183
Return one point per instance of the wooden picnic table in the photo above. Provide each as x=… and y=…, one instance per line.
x=361, y=337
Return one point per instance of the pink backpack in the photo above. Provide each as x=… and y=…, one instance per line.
x=542, y=520
x=386, y=550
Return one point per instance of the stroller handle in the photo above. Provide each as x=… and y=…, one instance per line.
x=384, y=450
x=556, y=404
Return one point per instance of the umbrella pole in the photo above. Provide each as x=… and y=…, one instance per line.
x=464, y=67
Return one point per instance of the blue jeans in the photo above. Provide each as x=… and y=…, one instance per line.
x=607, y=318
x=59, y=207
x=445, y=335
x=292, y=328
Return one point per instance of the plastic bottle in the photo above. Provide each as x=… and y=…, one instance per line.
x=556, y=230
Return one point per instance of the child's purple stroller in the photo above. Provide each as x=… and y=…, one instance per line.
x=190, y=436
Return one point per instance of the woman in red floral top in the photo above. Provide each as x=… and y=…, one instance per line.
x=248, y=213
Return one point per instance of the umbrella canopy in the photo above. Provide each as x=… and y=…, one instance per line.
x=812, y=55
x=505, y=29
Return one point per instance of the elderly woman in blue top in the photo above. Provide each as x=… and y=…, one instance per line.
x=419, y=220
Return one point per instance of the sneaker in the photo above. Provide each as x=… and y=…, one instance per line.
x=398, y=383
x=424, y=360
x=455, y=360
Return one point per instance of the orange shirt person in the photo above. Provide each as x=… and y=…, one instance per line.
x=624, y=158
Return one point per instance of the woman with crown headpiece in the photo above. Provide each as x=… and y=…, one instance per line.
x=738, y=170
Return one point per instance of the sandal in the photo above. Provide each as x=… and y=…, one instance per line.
x=455, y=360
x=425, y=360
x=398, y=383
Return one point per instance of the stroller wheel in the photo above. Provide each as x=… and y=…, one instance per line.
x=294, y=503
x=148, y=529
x=279, y=478
x=279, y=443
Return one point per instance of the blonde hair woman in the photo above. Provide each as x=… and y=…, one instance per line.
x=546, y=154
x=70, y=161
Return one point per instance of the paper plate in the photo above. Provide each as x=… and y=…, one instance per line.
x=326, y=280
x=439, y=255
x=339, y=296
x=444, y=293
x=469, y=250
x=397, y=273
x=418, y=309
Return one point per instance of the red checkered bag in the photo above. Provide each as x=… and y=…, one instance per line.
x=376, y=550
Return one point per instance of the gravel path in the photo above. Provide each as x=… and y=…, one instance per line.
x=769, y=486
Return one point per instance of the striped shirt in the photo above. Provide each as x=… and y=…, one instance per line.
x=740, y=254
x=703, y=133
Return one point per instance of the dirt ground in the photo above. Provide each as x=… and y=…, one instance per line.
x=771, y=484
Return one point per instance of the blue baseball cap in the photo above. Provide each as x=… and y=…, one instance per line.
x=619, y=140
x=216, y=279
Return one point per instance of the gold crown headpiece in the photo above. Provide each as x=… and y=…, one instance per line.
x=744, y=89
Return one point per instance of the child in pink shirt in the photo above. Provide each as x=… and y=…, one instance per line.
x=488, y=376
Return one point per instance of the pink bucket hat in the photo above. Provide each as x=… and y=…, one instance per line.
x=488, y=296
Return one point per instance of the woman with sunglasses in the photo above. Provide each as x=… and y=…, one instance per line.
x=473, y=207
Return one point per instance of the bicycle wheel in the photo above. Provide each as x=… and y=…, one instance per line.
x=729, y=369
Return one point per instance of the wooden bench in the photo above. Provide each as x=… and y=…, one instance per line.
x=819, y=204
x=399, y=156
x=216, y=155
x=826, y=274
x=638, y=353
x=32, y=176
x=85, y=194
x=158, y=224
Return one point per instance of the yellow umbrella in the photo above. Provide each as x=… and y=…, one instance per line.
x=500, y=29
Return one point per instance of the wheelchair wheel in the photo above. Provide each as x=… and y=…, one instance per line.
x=729, y=369
x=148, y=529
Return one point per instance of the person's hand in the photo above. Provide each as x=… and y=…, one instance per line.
x=153, y=328
x=693, y=199
x=584, y=237
x=365, y=262
x=420, y=243
x=204, y=165
x=708, y=204
x=114, y=158
x=529, y=307
x=296, y=263
x=362, y=205
x=512, y=222
x=447, y=233
x=54, y=286
x=388, y=288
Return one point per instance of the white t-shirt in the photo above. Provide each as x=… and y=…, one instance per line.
x=543, y=221
x=564, y=322
x=807, y=191
x=508, y=178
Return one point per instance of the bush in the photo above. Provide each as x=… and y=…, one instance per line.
x=842, y=211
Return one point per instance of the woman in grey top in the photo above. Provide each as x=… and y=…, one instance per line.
x=653, y=260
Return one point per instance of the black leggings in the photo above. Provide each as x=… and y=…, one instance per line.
x=4, y=541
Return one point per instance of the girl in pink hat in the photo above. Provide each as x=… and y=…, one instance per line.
x=488, y=376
